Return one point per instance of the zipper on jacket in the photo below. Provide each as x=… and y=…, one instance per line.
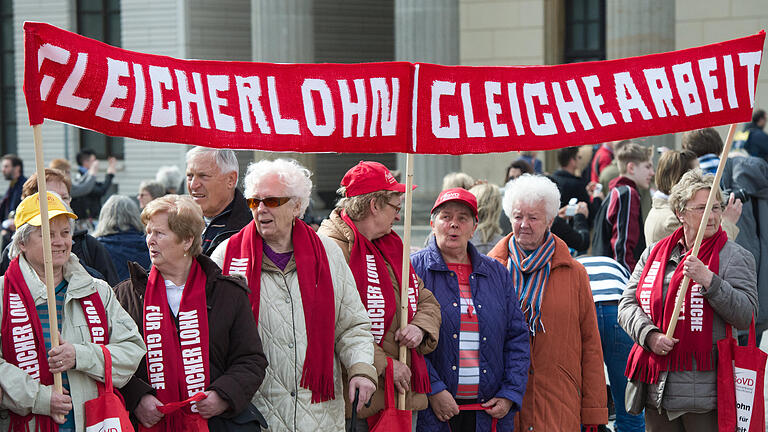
x=295, y=356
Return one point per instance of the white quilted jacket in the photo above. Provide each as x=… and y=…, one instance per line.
x=285, y=404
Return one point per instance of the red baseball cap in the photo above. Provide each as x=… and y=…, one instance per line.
x=459, y=195
x=369, y=176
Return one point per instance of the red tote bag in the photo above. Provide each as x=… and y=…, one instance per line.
x=390, y=419
x=107, y=412
x=740, y=379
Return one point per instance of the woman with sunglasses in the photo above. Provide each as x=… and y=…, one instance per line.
x=675, y=379
x=361, y=225
x=304, y=299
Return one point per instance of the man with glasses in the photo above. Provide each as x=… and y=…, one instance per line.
x=361, y=225
x=212, y=182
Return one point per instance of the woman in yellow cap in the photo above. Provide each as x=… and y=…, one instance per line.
x=88, y=315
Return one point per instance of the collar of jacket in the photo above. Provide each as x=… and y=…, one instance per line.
x=562, y=256
x=238, y=211
x=437, y=263
x=80, y=283
x=139, y=277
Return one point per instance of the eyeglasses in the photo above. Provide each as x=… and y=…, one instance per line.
x=396, y=207
x=700, y=210
x=270, y=202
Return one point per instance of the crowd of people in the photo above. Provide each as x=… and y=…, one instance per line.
x=226, y=309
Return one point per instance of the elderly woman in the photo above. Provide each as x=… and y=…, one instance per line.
x=488, y=231
x=121, y=232
x=28, y=362
x=722, y=292
x=662, y=220
x=483, y=353
x=149, y=190
x=199, y=330
x=361, y=225
x=305, y=301
x=566, y=384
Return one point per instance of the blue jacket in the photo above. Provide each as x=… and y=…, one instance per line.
x=126, y=246
x=504, y=343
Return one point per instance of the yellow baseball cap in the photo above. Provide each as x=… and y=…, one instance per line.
x=28, y=210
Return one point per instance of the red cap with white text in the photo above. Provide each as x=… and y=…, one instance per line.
x=369, y=176
x=460, y=195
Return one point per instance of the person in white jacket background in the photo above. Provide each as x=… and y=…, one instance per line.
x=304, y=298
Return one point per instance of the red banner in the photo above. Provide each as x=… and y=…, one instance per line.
x=384, y=107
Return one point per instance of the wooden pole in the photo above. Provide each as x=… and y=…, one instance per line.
x=405, y=278
x=47, y=256
x=702, y=228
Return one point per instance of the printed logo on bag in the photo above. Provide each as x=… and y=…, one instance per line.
x=111, y=424
x=745, y=396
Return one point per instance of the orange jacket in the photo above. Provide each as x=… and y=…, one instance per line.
x=566, y=383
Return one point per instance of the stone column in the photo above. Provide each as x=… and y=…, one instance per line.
x=283, y=32
x=639, y=27
x=427, y=31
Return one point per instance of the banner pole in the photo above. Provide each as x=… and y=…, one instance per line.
x=702, y=227
x=47, y=256
x=405, y=278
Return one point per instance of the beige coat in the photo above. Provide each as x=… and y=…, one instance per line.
x=427, y=318
x=284, y=402
x=22, y=394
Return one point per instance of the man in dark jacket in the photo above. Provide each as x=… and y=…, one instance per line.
x=757, y=140
x=619, y=223
x=13, y=171
x=212, y=182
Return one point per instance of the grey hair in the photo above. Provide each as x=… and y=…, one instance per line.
x=358, y=207
x=289, y=173
x=532, y=189
x=119, y=213
x=155, y=189
x=170, y=176
x=225, y=159
x=457, y=179
x=691, y=182
x=488, y=210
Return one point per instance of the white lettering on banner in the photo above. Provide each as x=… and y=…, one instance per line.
x=751, y=60
x=192, y=358
x=493, y=89
x=23, y=338
x=733, y=101
x=248, y=95
x=188, y=96
x=216, y=84
x=575, y=106
x=696, y=307
x=374, y=299
x=746, y=384
x=591, y=83
x=53, y=53
x=137, y=115
x=706, y=67
x=67, y=96
x=686, y=88
x=538, y=90
x=113, y=91
x=628, y=97
x=283, y=126
x=474, y=129
x=159, y=78
x=661, y=92
x=381, y=99
x=443, y=88
x=320, y=87
x=351, y=109
x=514, y=107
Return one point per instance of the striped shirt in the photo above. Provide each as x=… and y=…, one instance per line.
x=469, y=336
x=708, y=163
x=45, y=322
x=607, y=278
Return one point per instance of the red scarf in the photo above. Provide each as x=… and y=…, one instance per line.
x=694, y=329
x=177, y=361
x=24, y=343
x=368, y=262
x=244, y=256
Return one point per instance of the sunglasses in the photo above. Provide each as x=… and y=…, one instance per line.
x=270, y=202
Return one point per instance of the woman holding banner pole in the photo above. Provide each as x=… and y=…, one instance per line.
x=310, y=317
x=87, y=311
x=361, y=225
x=675, y=379
x=201, y=336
